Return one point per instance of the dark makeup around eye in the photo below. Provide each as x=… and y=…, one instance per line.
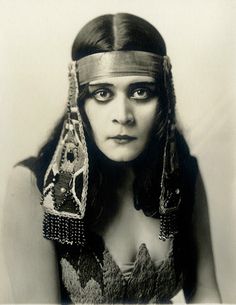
x=150, y=86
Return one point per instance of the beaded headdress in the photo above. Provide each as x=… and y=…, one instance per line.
x=66, y=179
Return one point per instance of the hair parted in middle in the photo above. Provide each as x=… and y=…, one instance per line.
x=123, y=32
x=120, y=32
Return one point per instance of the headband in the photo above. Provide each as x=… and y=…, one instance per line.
x=120, y=63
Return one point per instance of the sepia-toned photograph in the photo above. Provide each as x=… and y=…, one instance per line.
x=118, y=171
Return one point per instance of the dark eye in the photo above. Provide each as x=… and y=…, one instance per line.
x=141, y=94
x=103, y=95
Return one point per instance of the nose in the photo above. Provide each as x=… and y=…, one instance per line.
x=122, y=111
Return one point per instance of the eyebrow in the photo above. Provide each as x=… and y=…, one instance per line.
x=138, y=83
x=101, y=84
x=151, y=83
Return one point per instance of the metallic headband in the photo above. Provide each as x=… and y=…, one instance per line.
x=115, y=63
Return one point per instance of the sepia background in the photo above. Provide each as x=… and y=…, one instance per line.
x=35, y=42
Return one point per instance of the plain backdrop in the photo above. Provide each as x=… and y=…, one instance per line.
x=35, y=41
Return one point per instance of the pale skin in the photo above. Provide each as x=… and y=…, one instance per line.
x=122, y=106
x=30, y=260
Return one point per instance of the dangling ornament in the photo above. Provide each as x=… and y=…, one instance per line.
x=66, y=180
x=170, y=196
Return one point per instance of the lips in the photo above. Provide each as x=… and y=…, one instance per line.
x=123, y=139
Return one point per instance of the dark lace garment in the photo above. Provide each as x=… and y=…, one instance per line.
x=92, y=276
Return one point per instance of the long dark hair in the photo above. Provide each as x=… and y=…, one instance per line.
x=104, y=34
x=112, y=33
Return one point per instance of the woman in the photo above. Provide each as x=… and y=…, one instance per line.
x=114, y=175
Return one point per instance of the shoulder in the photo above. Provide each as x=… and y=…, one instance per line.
x=206, y=289
x=22, y=197
x=22, y=213
x=26, y=252
x=22, y=177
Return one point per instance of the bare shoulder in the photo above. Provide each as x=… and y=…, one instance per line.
x=207, y=290
x=22, y=195
x=30, y=259
x=22, y=176
x=22, y=213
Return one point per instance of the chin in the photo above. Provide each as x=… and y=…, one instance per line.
x=122, y=157
x=122, y=153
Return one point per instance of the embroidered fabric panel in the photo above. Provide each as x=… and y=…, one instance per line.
x=91, y=280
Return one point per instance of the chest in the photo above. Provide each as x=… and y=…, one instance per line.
x=130, y=239
x=130, y=228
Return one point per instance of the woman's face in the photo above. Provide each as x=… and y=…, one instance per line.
x=121, y=111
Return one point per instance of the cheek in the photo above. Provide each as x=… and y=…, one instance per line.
x=89, y=111
x=97, y=117
x=146, y=117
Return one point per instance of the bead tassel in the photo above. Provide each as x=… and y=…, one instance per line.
x=64, y=229
x=170, y=196
x=64, y=221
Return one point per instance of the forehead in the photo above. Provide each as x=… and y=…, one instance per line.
x=123, y=80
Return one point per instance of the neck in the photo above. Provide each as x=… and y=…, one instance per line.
x=118, y=194
x=124, y=191
x=126, y=183
x=119, y=174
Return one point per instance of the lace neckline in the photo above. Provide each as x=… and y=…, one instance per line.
x=99, y=279
x=142, y=262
